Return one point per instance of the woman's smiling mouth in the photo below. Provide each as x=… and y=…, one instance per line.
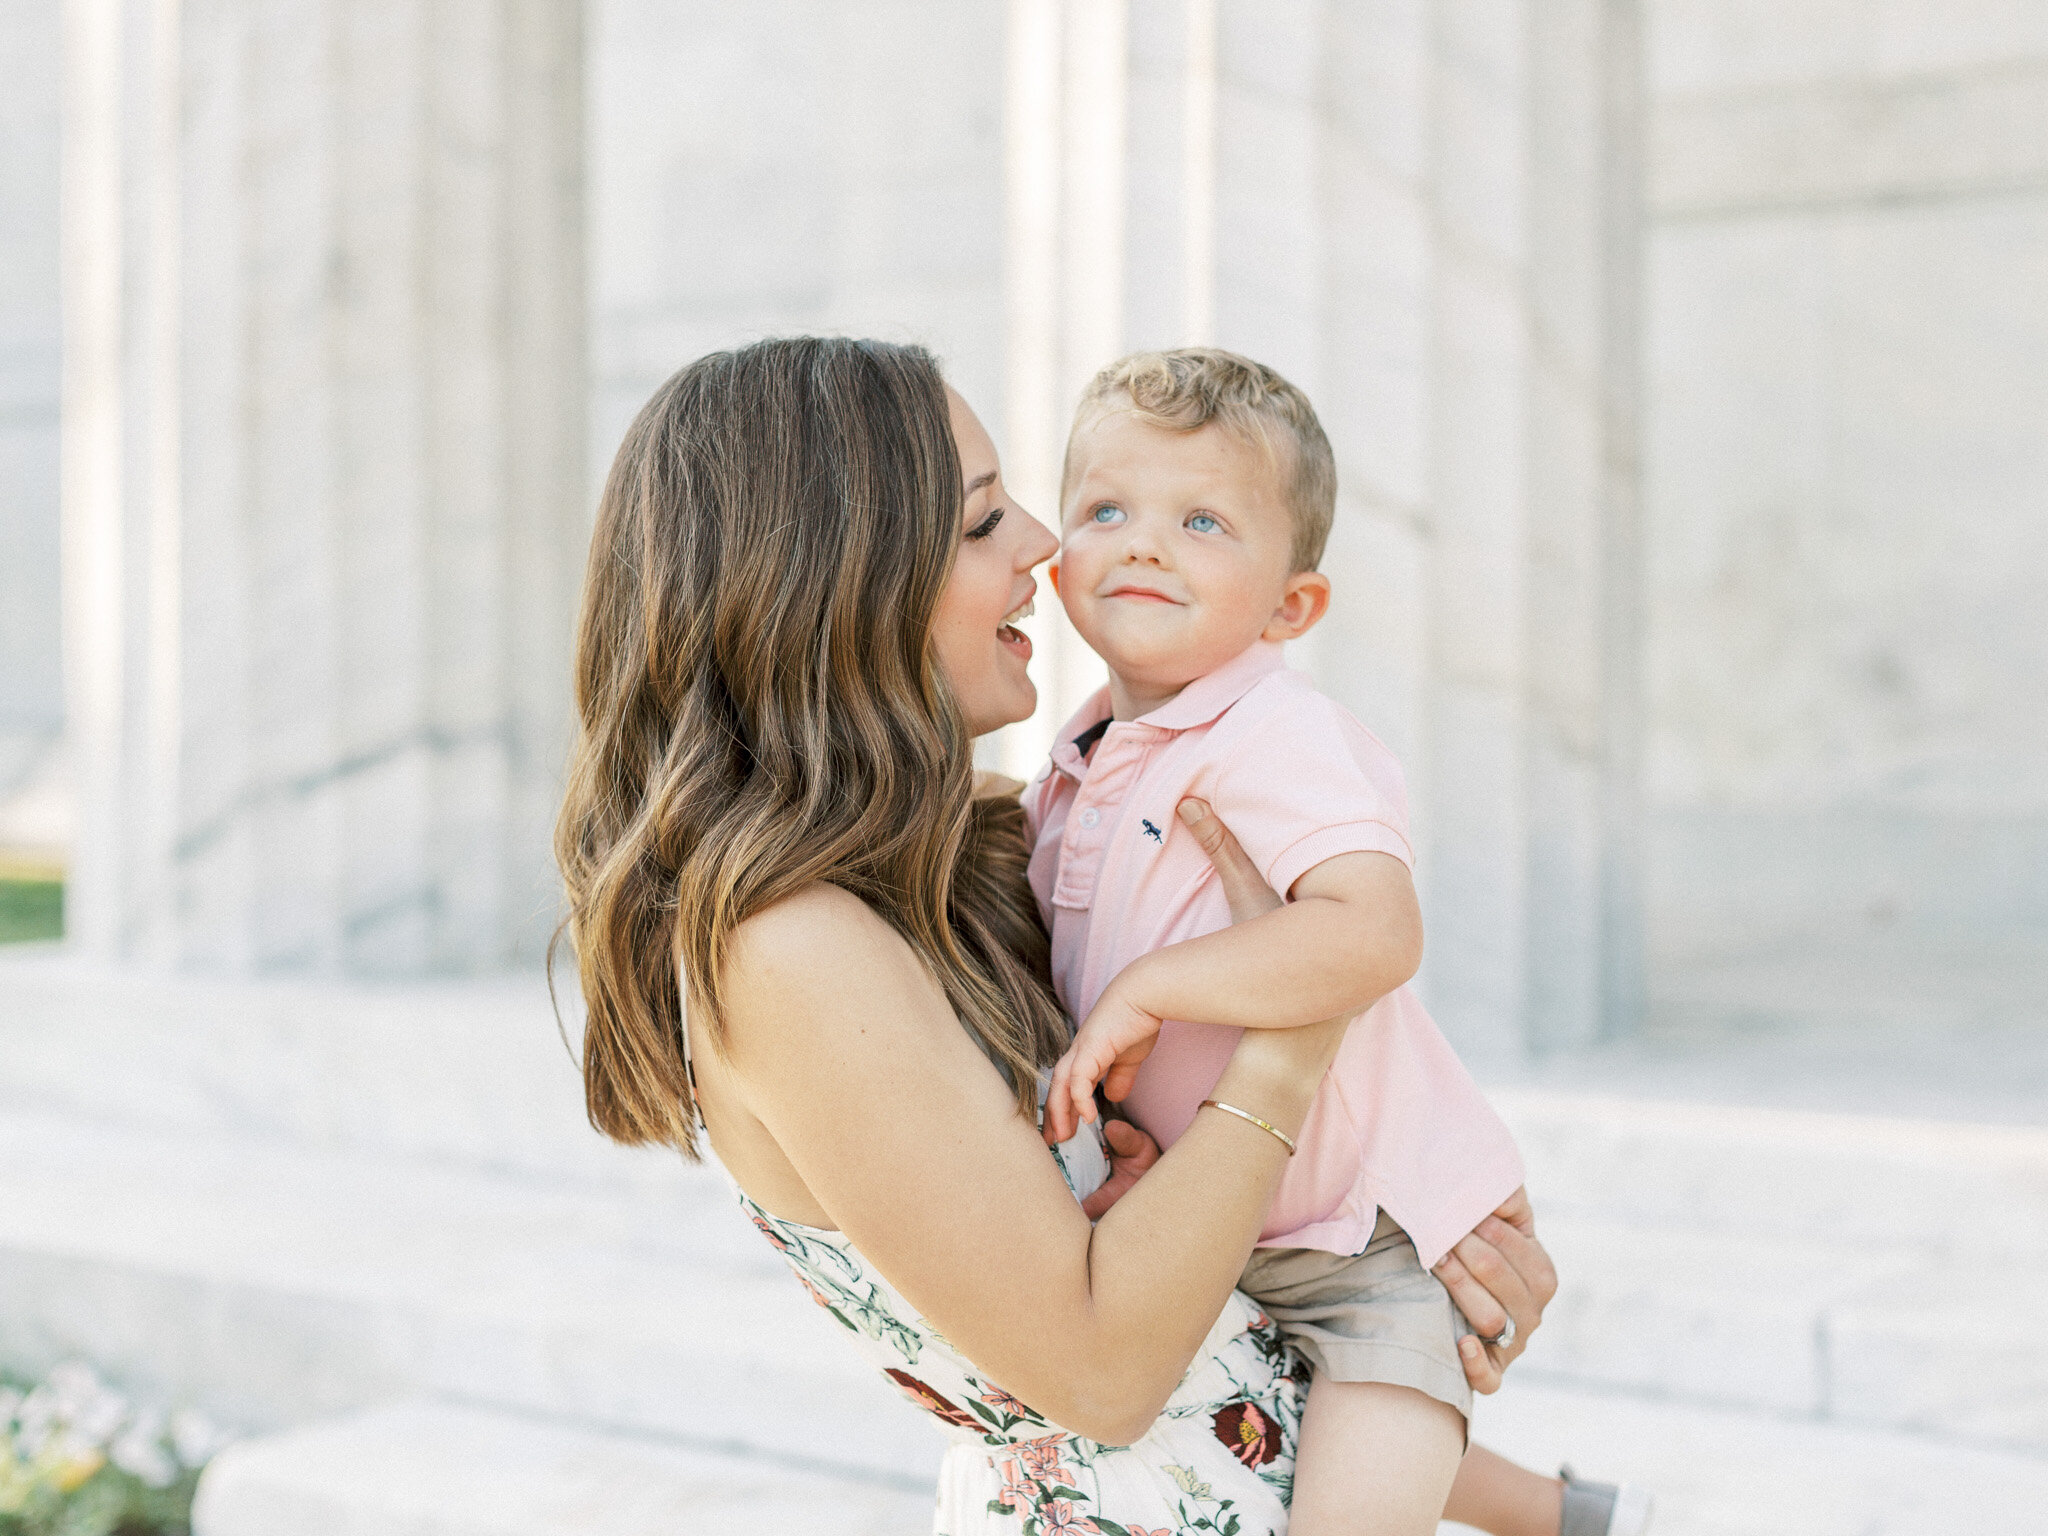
x=1008, y=633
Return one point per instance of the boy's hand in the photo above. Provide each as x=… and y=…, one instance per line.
x=1117, y=1035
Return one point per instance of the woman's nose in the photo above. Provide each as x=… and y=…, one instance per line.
x=1037, y=545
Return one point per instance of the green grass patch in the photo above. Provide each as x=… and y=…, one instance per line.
x=30, y=910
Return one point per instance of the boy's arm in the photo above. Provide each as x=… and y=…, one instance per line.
x=1351, y=933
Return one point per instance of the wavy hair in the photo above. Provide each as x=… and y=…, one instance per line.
x=760, y=709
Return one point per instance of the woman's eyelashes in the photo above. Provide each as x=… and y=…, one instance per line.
x=987, y=525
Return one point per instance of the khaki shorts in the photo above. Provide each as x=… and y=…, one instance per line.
x=1375, y=1316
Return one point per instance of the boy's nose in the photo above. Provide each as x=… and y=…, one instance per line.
x=1142, y=546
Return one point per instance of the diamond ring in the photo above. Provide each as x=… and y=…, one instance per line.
x=1505, y=1337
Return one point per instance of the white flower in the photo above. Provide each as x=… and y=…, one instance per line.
x=35, y=1417
x=74, y=1421
x=93, y=1409
x=74, y=1384
x=196, y=1438
x=140, y=1450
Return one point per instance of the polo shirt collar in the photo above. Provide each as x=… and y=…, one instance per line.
x=1197, y=704
x=1208, y=696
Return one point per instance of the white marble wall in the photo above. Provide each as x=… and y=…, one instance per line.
x=1847, y=478
x=31, y=686
x=794, y=166
x=324, y=487
x=1409, y=206
x=317, y=643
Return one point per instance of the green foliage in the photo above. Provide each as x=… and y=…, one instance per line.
x=109, y=1503
x=30, y=909
x=78, y=1459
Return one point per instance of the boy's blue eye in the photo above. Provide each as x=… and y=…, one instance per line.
x=1108, y=512
x=1202, y=522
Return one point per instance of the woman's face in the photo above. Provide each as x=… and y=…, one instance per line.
x=982, y=653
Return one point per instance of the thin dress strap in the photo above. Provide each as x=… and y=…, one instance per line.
x=690, y=1072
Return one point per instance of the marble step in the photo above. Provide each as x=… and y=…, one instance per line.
x=1889, y=1336
x=424, y=1468
x=473, y=1071
x=1972, y=1191
x=1721, y=1472
x=442, y=1469
x=467, y=1070
x=274, y=1284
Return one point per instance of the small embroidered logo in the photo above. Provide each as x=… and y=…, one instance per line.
x=1154, y=833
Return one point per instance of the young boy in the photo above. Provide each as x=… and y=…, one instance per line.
x=1196, y=498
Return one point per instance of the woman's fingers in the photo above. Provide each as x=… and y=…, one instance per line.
x=1497, y=1274
x=1486, y=1291
x=1243, y=886
x=1481, y=1370
x=1130, y=1147
x=1111, y=1190
x=1524, y=1253
x=1131, y=1152
x=1518, y=1213
x=1484, y=1362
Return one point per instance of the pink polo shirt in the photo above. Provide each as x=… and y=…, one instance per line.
x=1398, y=1123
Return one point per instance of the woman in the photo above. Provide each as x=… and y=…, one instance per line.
x=796, y=617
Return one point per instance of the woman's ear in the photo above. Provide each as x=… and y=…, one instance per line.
x=1305, y=601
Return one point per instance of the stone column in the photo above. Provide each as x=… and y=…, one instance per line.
x=323, y=477
x=1531, y=745
x=31, y=692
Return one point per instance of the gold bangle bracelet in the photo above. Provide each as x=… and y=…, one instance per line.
x=1284, y=1139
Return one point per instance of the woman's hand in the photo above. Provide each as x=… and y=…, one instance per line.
x=1131, y=1152
x=1499, y=1272
x=1243, y=886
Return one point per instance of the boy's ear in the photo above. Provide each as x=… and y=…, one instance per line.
x=1305, y=601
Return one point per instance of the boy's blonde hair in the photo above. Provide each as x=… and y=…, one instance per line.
x=1186, y=389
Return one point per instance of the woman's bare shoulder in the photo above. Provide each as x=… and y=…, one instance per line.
x=809, y=942
x=819, y=908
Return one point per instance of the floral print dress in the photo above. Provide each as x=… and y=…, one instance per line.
x=1219, y=1460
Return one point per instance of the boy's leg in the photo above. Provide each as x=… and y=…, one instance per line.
x=1373, y=1460
x=1493, y=1494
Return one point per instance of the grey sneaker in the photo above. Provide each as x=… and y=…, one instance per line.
x=1602, y=1509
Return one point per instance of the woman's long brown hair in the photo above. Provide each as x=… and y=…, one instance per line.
x=760, y=710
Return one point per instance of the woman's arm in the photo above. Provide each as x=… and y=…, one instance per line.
x=1352, y=933
x=847, y=1053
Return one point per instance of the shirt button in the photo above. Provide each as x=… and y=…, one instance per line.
x=1090, y=817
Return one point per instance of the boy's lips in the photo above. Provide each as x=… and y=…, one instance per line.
x=1146, y=594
